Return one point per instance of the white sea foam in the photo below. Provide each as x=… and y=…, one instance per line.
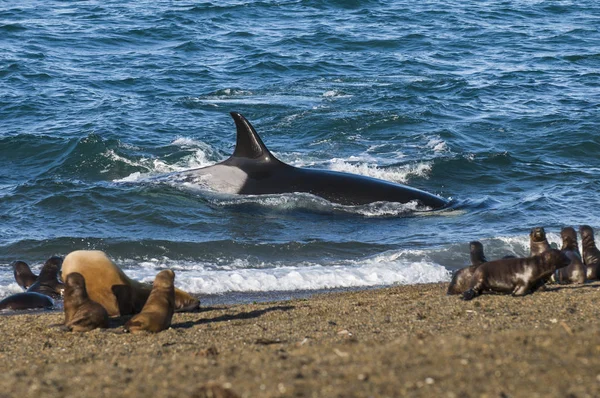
x=241, y=275
x=8, y=288
x=202, y=156
x=398, y=173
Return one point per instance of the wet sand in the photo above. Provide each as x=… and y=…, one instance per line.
x=390, y=342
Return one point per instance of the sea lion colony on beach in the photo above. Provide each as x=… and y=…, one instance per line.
x=520, y=276
x=96, y=288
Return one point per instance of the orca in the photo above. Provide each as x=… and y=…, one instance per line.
x=253, y=170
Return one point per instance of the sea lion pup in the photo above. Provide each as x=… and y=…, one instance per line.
x=575, y=272
x=591, y=254
x=158, y=311
x=108, y=285
x=461, y=280
x=26, y=301
x=47, y=282
x=537, y=241
x=23, y=275
x=517, y=276
x=81, y=313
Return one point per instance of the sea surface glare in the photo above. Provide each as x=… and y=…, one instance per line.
x=494, y=105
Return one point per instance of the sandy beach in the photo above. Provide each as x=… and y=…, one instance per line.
x=390, y=342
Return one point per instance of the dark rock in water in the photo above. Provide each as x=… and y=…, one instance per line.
x=26, y=301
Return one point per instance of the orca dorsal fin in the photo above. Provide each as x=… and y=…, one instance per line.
x=248, y=144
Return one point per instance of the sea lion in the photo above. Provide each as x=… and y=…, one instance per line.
x=81, y=313
x=575, y=272
x=108, y=285
x=517, y=276
x=47, y=282
x=158, y=311
x=26, y=301
x=461, y=280
x=537, y=241
x=591, y=254
x=23, y=274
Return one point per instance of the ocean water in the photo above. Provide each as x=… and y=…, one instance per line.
x=494, y=105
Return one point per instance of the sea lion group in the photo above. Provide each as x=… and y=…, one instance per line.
x=94, y=289
x=521, y=276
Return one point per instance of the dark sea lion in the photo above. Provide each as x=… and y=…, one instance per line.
x=538, y=243
x=575, y=272
x=81, y=313
x=516, y=276
x=23, y=274
x=461, y=280
x=108, y=285
x=47, y=282
x=26, y=301
x=591, y=254
x=159, y=308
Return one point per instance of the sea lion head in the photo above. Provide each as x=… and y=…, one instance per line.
x=475, y=246
x=56, y=260
x=586, y=232
x=556, y=258
x=23, y=274
x=477, y=256
x=51, y=268
x=75, y=287
x=568, y=236
x=537, y=234
x=164, y=279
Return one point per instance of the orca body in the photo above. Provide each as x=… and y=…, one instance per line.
x=253, y=170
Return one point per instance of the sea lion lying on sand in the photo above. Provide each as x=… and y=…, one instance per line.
x=591, y=254
x=47, y=282
x=461, y=280
x=517, y=276
x=81, y=313
x=575, y=272
x=108, y=285
x=23, y=274
x=26, y=301
x=158, y=311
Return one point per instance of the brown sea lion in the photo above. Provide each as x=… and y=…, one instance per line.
x=81, y=313
x=461, y=280
x=517, y=276
x=537, y=241
x=108, y=285
x=47, y=282
x=158, y=311
x=26, y=301
x=575, y=272
x=23, y=274
x=591, y=254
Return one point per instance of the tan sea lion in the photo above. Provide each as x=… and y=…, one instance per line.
x=108, y=285
x=575, y=272
x=23, y=275
x=81, y=313
x=538, y=243
x=158, y=311
x=516, y=276
x=26, y=301
x=461, y=280
x=591, y=254
x=47, y=282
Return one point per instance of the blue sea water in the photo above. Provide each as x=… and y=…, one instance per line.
x=492, y=104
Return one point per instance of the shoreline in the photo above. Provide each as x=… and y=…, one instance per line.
x=406, y=340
